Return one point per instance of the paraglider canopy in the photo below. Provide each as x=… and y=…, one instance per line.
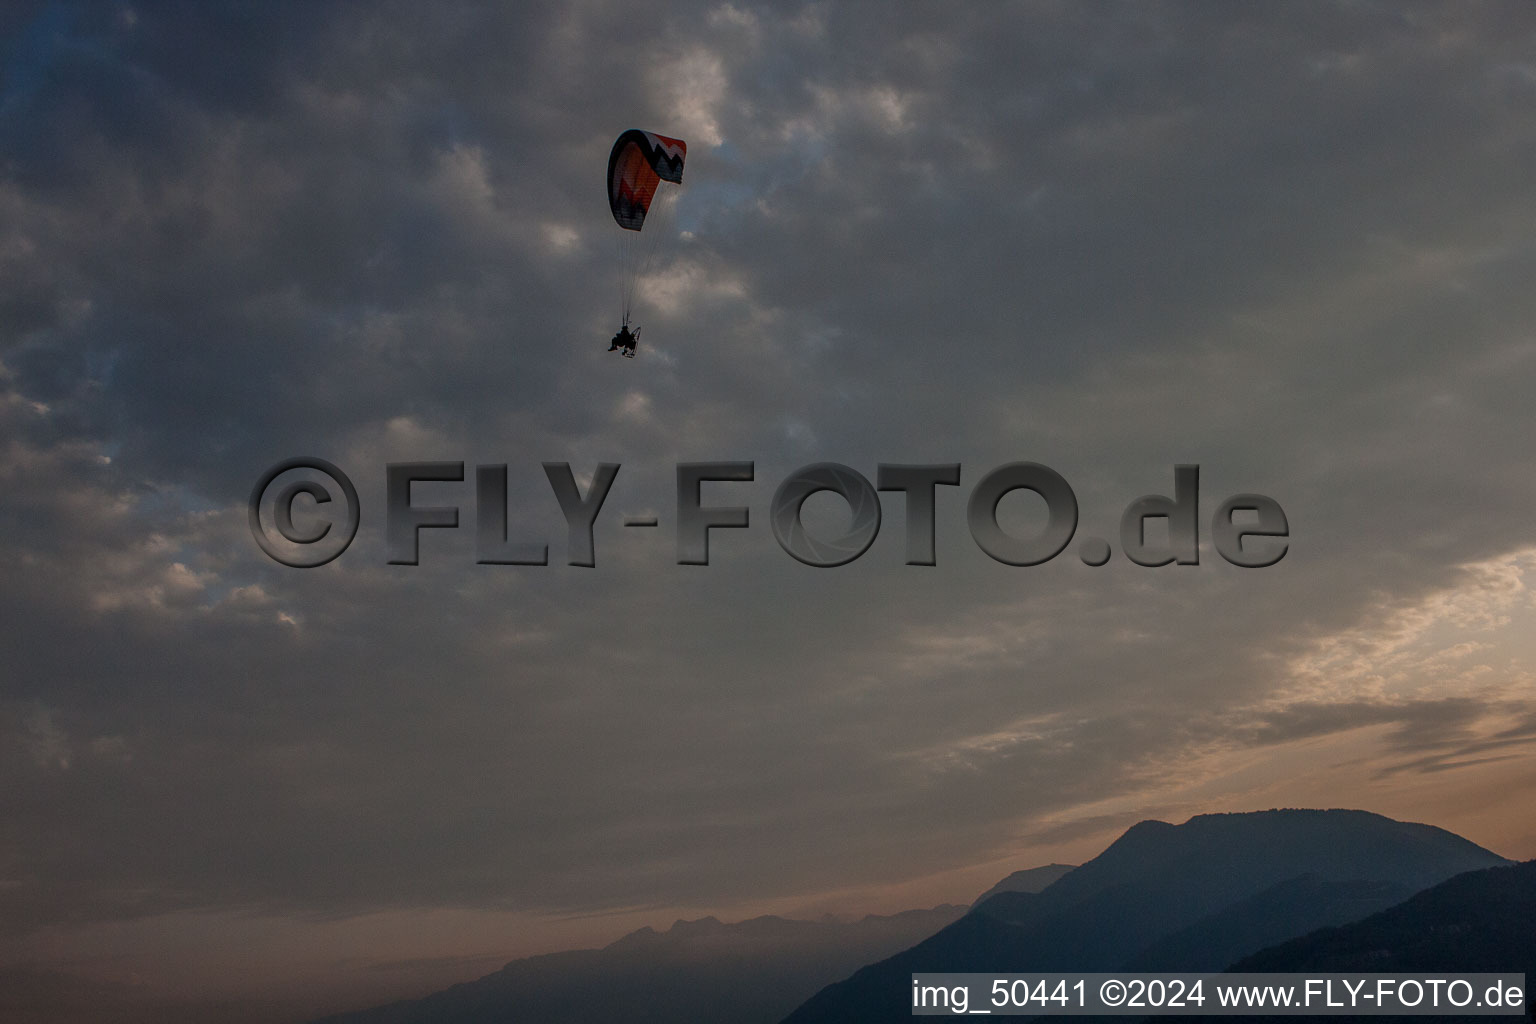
x=639, y=162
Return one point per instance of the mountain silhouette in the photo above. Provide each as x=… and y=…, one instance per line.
x=751, y=972
x=1028, y=880
x=1480, y=921
x=1291, y=908
x=1173, y=897
x=1477, y=921
x=1162, y=897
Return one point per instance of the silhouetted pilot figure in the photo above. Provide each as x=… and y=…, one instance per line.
x=624, y=341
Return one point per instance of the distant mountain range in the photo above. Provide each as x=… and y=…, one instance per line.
x=1198, y=897
x=1193, y=897
x=752, y=972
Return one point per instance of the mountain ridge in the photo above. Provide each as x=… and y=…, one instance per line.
x=1194, y=896
x=1158, y=881
x=752, y=971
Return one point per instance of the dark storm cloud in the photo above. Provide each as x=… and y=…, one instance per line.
x=1292, y=245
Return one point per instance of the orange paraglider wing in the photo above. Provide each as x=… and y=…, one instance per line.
x=639, y=162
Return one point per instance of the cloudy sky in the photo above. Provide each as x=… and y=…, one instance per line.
x=1293, y=245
